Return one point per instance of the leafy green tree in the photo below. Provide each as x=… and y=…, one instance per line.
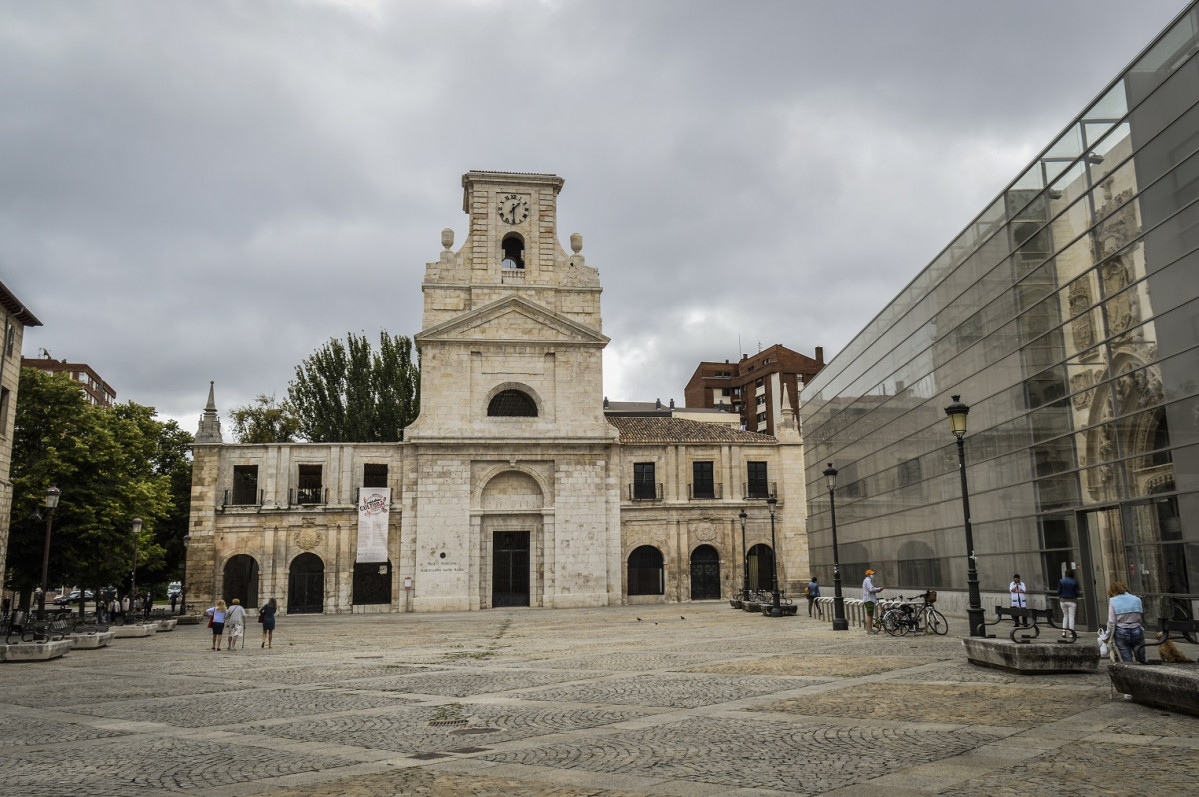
x=265, y=421
x=108, y=464
x=346, y=392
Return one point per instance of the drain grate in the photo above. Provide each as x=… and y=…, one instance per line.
x=446, y=723
x=472, y=731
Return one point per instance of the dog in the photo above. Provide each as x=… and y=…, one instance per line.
x=1170, y=652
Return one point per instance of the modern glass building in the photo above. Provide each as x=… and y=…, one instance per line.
x=1067, y=316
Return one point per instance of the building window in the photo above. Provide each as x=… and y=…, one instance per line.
x=645, y=488
x=703, y=484
x=10, y=338
x=309, y=487
x=512, y=404
x=756, y=483
x=762, y=400
x=909, y=472
x=761, y=417
x=646, y=575
x=245, y=485
x=374, y=475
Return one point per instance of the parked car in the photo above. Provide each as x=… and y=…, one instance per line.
x=174, y=588
x=74, y=597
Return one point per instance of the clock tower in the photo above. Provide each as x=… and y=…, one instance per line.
x=515, y=496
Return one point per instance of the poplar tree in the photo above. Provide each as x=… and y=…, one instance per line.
x=347, y=392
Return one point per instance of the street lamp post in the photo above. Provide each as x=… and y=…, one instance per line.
x=776, y=610
x=744, y=559
x=957, y=412
x=839, y=622
x=137, y=533
x=187, y=538
x=52, y=495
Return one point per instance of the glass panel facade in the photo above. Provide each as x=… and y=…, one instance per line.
x=1067, y=316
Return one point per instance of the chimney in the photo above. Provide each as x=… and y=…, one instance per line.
x=820, y=354
x=672, y=404
x=657, y=404
x=605, y=402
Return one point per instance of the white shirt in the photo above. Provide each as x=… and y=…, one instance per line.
x=1019, y=598
x=869, y=591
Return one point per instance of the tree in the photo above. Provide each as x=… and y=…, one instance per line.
x=108, y=463
x=349, y=393
x=264, y=421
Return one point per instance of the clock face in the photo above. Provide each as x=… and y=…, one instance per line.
x=513, y=208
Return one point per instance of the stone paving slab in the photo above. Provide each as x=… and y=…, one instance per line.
x=694, y=700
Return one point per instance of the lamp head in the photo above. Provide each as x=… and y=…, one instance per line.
x=957, y=412
x=52, y=494
x=830, y=477
x=137, y=525
x=743, y=516
x=770, y=502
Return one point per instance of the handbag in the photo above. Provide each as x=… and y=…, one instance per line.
x=210, y=621
x=260, y=616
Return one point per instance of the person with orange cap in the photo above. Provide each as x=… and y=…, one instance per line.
x=869, y=595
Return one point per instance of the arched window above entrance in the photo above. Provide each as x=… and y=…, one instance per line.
x=512, y=404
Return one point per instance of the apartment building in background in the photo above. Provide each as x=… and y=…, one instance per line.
x=96, y=389
x=753, y=387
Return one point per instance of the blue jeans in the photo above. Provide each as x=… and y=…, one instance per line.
x=1130, y=641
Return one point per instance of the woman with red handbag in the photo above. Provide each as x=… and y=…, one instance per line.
x=216, y=621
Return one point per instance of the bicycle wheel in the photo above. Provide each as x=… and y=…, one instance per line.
x=893, y=623
x=937, y=622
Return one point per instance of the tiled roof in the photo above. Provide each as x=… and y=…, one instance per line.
x=681, y=430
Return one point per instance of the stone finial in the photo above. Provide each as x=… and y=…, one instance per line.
x=447, y=237
x=210, y=421
x=576, y=242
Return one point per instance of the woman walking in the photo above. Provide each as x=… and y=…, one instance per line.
x=1124, y=617
x=266, y=616
x=1067, y=593
x=217, y=623
x=235, y=622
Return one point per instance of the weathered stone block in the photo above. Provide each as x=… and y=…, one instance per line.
x=35, y=651
x=1033, y=657
x=91, y=640
x=1169, y=686
x=134, y=631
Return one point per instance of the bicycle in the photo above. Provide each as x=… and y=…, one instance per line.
x=918, y=619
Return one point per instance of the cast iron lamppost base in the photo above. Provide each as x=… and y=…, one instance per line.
x=839, y=621
x=776, y=610
x=957, y=412
x=52, y=495
x=744, y=559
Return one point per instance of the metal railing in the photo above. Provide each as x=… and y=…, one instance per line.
x=712, y=492
x=643, y=491
x=759, y=489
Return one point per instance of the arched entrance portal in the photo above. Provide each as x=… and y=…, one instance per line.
x=306, y=585
x=761, y=567
x=705, y=573
x=646, y=576
x=241, y=580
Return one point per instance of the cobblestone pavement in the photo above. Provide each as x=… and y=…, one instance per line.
x=697, y=699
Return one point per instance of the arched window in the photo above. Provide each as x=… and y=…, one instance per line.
x=514, y=252
x=512, y=404
x=645, y=572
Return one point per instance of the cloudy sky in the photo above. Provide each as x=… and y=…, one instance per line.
x=195, y=191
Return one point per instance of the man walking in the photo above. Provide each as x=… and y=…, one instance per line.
x=869, y=595
x=813, y=594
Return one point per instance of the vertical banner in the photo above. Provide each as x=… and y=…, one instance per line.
x=374, y=508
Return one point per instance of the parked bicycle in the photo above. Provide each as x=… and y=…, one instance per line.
x=922, y=619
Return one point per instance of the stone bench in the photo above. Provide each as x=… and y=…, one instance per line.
x=91, y=640
x=1031, y=658
x=190, y=619
x=35, y=651
x=133, y=631
x=165, y=624
x=1170, y=686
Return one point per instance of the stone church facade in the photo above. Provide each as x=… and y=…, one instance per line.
x=512, y=487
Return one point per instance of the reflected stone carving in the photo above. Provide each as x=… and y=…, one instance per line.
x=1080, y=326
x=1079, y=385
x=1122, y=311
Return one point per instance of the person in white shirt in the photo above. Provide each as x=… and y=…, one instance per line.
x=235, y=624
x=869, y=595
x=1019, y=597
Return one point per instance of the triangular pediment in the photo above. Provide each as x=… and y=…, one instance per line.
x=513, y=319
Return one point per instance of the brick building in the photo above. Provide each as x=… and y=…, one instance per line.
x=754, y=386
x=98, y=391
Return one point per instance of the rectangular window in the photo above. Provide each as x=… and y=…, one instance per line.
x=645, y=488
x=245, y=484
x=703, y=483
x=374, y=475
x=4, y=412
x=309, y=485
x=10, y=338
x=909, y=472
x=755, y=477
